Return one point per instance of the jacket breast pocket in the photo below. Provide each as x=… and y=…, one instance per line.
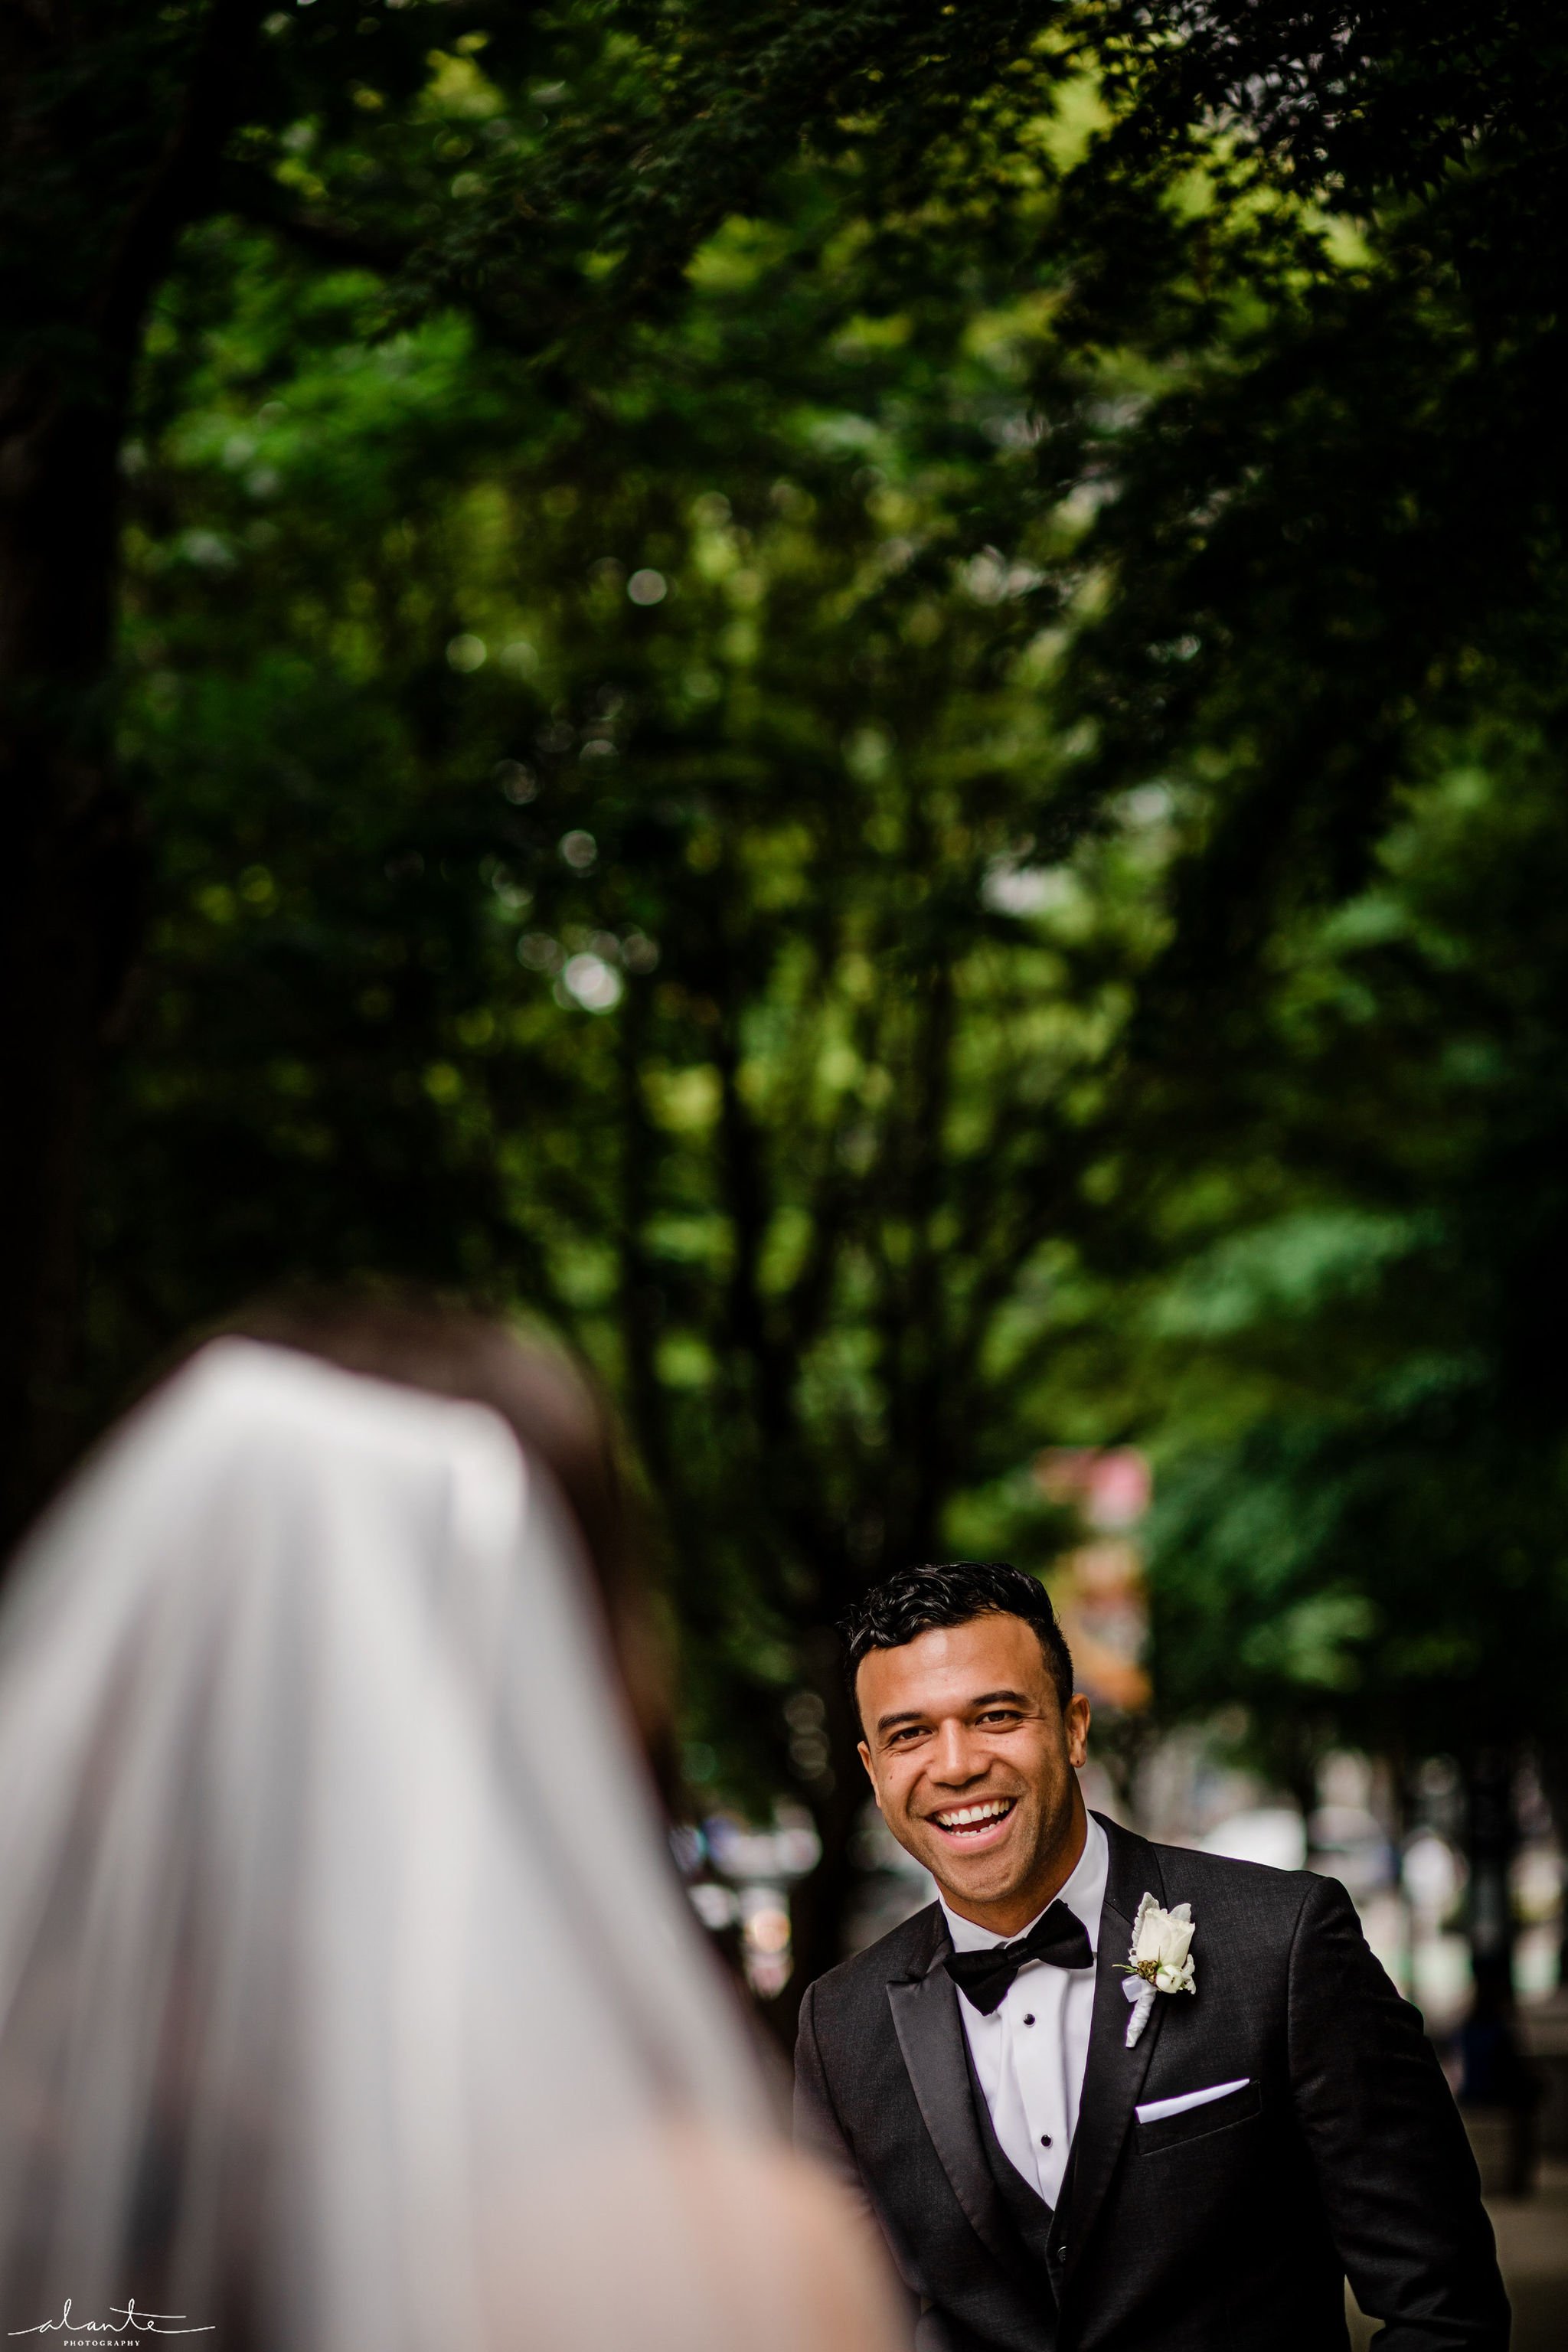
x=1198, y=2123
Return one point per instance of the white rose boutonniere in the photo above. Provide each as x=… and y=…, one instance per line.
x=1158, y=1960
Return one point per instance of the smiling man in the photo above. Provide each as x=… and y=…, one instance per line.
x=1104, y=2096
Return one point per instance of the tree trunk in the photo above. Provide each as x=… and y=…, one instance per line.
x=1553, y=1769
x=1492, y=1838
x=820, y=1903
x=68, y=916
x=66, y=896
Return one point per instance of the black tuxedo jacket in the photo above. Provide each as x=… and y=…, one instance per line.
x=1230, y=2228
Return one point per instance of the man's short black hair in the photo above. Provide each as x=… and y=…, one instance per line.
x=915, y=1599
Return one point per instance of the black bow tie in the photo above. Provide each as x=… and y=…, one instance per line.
x=1057, y=1935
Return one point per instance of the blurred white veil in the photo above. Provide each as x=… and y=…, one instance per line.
x=345, y=2002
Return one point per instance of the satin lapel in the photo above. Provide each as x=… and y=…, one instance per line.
x=1113, y=2075
x=931, y=2035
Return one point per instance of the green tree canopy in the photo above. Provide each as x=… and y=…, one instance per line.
x=864, y=701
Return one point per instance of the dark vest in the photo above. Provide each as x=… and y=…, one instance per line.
x=1038, y=2227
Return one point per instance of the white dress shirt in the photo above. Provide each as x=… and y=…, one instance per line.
x=1030, y=2054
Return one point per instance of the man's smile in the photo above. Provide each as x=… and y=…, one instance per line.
x=980, y=1822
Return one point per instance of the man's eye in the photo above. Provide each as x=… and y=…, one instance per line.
x=1000, y=1714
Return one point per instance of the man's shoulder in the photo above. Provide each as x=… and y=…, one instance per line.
x=905, y=1951
x=1271, y=1900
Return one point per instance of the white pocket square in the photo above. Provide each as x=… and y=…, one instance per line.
x=1154, y=2111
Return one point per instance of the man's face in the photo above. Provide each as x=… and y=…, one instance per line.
x=973, y=1762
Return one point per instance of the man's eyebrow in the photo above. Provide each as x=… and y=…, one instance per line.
x=920, y=1715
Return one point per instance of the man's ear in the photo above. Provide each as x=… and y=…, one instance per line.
x=865, y=1755
x=1075, y=1722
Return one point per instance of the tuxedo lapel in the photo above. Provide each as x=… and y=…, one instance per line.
x=1113, y=2075
x=930, y=2036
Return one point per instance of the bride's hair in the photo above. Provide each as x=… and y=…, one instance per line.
x=553, y=1407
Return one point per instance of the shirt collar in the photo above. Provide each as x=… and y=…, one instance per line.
x=1084, y=1895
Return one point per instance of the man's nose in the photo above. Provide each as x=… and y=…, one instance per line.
x=959, y=1756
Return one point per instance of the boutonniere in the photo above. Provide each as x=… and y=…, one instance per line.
x=1158, y=1962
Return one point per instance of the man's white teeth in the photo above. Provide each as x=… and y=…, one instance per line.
x=969, y=1816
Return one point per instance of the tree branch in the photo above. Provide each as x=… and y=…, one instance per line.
x=255, y=196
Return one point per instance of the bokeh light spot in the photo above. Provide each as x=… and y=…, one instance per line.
x=595, y=985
